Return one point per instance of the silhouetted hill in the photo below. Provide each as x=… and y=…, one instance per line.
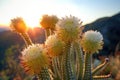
x=110, y=28
x=3, y=28
x=9, y=38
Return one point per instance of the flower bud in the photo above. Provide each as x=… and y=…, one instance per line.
x=18, y=25
x=34, y=58
x=92, y=41
x=68, y=29
x=54, y=45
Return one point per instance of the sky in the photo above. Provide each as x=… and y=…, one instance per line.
x=32, y=10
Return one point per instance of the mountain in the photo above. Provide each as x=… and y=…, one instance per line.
x=110, y=28
x=3, y=28
x=9, y=38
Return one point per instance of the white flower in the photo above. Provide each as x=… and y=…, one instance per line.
x=68, y=28
x=34, y=58
x=54, y=46
x=92, y=41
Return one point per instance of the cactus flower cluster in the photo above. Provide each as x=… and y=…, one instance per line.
x=66, y=53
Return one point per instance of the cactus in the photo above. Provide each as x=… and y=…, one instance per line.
x=66, y=54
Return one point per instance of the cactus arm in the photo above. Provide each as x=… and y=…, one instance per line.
x=62, y=66
x=68, y=73
x=80, y=58
x=73, y=59
x=59, y=62
x=52, y=31
x=26, y=39
x=100, y=67
x=87, y=67
x=44, y=74
x=47, y=33
x=102, y=77
x=56, y=68
x=51, y=73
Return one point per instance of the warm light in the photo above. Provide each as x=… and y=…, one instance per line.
x=32, y=23
x=31, y=11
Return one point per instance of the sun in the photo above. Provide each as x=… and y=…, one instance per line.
x=32, y=23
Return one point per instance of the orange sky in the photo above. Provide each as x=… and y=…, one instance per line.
x=32, y=10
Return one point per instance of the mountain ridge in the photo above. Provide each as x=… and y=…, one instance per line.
x=110, y=29
x=4, y=28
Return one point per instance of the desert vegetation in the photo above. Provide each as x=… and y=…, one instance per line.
x=66, y=53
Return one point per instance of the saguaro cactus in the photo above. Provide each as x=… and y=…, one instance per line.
x=66, y=54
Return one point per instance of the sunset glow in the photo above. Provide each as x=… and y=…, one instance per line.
x=32, y=10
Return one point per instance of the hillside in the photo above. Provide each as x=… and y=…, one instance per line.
x=3, y=28
x=9, y=38
x=110, y=28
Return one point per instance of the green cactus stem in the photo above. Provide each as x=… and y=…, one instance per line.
x=73, y=60
x=100, y=67
x=87, y=67
x=56, y=68
x=52, y=31
x=60, y=63
x=102, y=77
x=47, y=33
x=26, y=38
x=80, y=58
x=44, y=74
x=61, y=60
x=68, y=73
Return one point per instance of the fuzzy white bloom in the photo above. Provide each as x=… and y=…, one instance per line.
x=92, y=41
x=54, y=46
x=93, y=36
x=34, y=58
x=68, y=28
